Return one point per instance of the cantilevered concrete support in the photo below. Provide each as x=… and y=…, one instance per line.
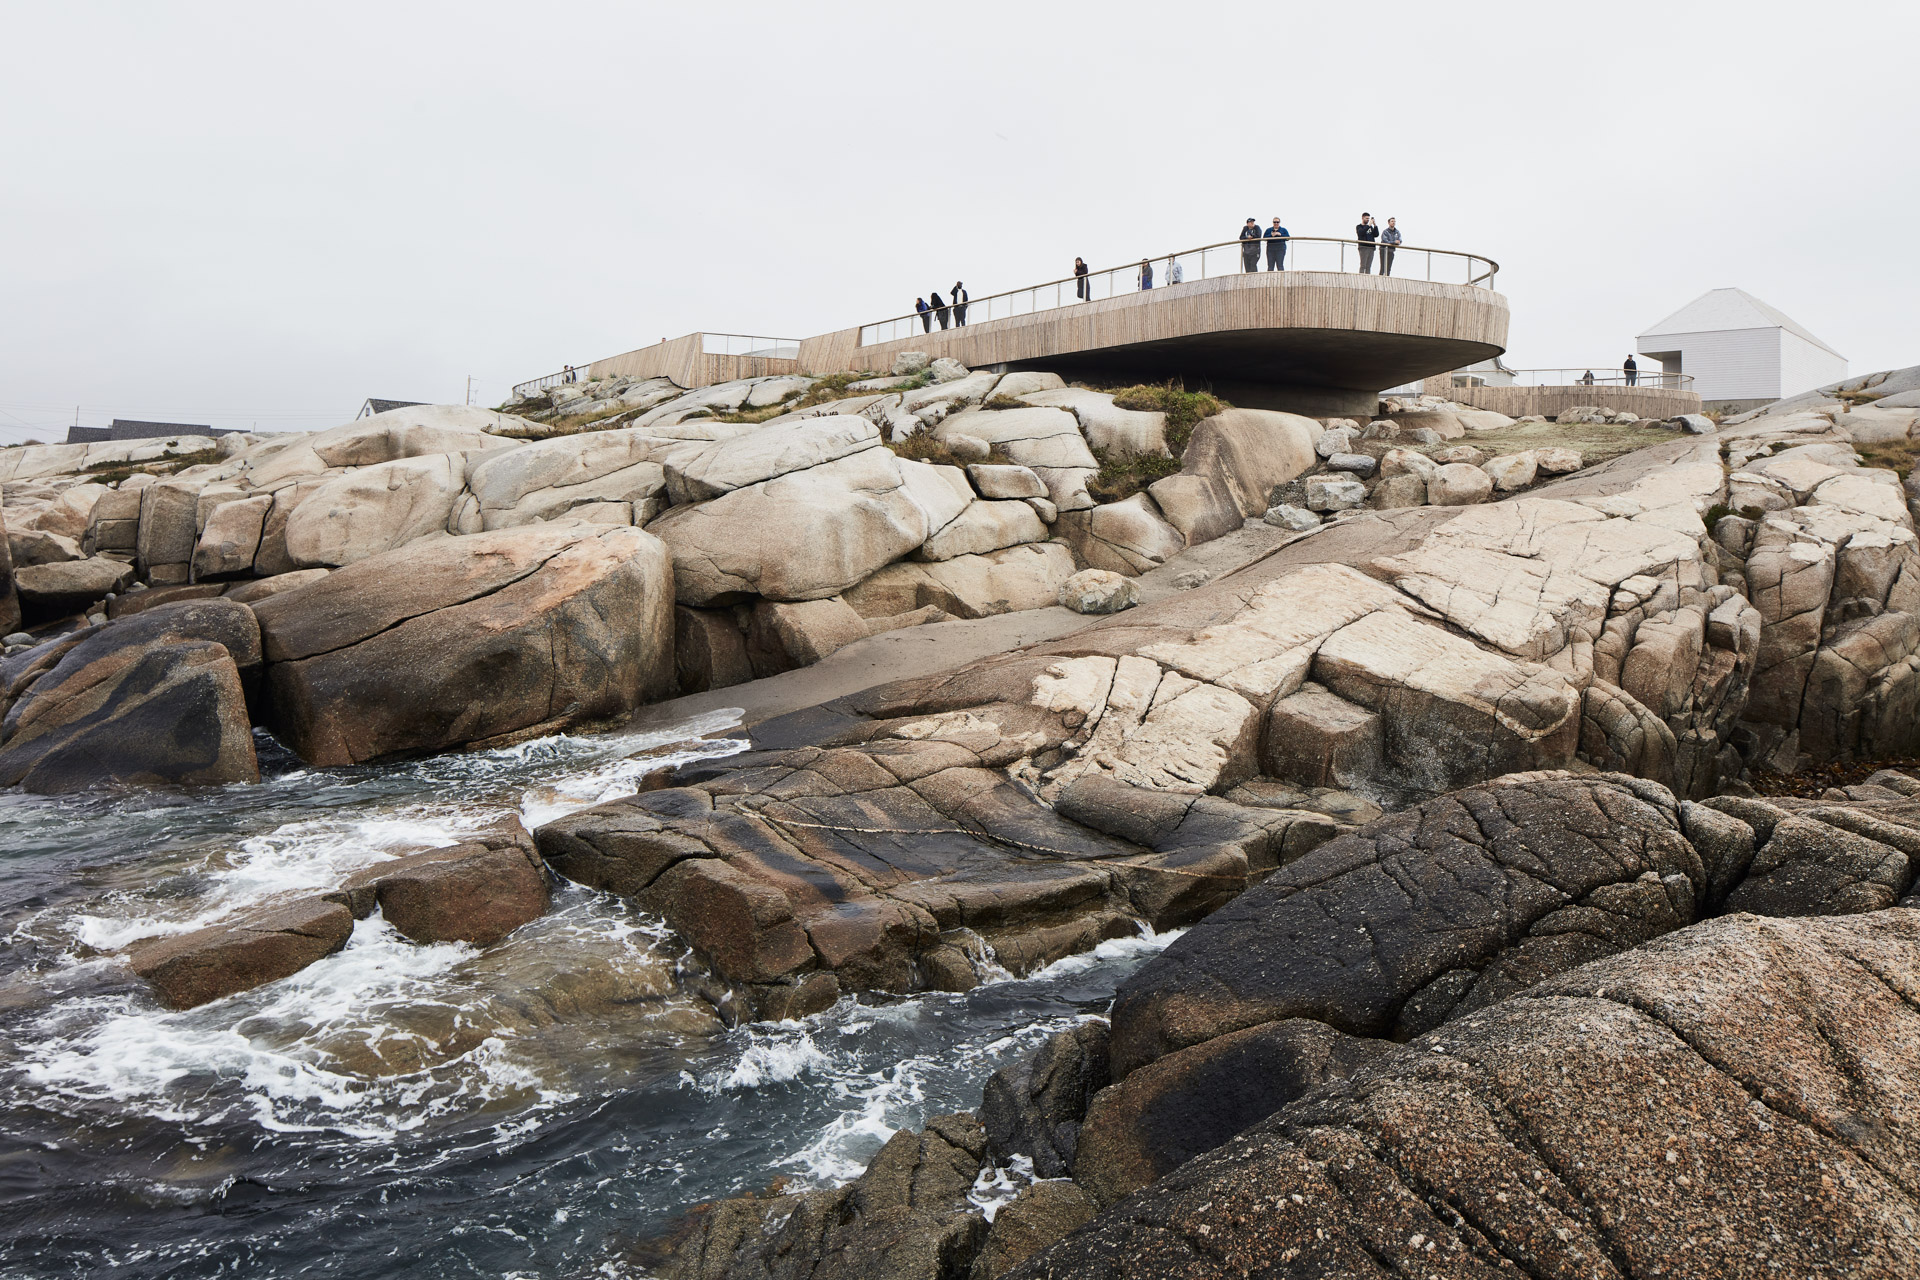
x=1312, y=342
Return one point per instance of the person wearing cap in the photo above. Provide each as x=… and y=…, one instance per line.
x=1366, y=233
x=1250, y=246
x=1632, y=371
x=1276, y=238
x=1389, y=240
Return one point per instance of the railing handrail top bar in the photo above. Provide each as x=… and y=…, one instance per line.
x=1219, y=244
x=771, y=337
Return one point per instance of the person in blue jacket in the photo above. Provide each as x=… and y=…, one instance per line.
x=1146, y=274
x=926, y=314
x=1276, y=238
x=1250, y=246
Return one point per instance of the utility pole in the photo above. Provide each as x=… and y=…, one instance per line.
x=469, y=388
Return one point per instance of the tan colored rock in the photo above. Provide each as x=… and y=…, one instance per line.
x=982, y=527
x=1458, y=485
x=1198, y=506
x=726, y=465
x=1127, y=537
x=809, y=630
x=996, y=481
x=1872, y=493
x=1511, y=471
x=70, y=586
x=210, y=964
x=1557, y=461
x=974, y=586
x=480, y=638
x=1247, y=452
x=1405, y=462
x=231, y=538
x=803, y=536
x=34, y=546
x=1046, y=440
x=1126, y=432
x=1399, y=491
x=262, y=588
x=1098, y=591
x=374, y=510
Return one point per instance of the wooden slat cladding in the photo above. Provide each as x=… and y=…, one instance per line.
x=1548, y=402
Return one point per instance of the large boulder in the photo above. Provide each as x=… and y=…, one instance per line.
x=1441, y=909
x=158, y=697
x=1734, y=1100
x=481, y=638
x=969, y=586
x=1102, y=423
x=726, y=465
x=477, y=891
x=1127, y=537
x=374, y=509
x=1047, y=441
x=209, y=964
x=984, y=527
x=1247, y=453
x=801, y=536
x=548, y=478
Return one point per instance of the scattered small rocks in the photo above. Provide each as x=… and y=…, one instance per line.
x=908, y=363
x=1462, y=453
x=1192, y=578
x=1557, y=461
x=1510, y=471
x=947, y=369
x=1358, y=464
x=1458, y=485
x=1698, y=424
x=1336, y=440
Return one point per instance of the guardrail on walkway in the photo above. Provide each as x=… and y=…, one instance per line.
x=521, y=390
x=1591, y=377
x=1228, y=257
x=749, y=344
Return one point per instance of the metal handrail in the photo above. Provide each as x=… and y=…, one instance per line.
x=1603, y=376
x=1114, y=281
x=521, y=390
x=749, y=344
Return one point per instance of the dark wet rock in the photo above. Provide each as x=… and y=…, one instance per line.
x=140, y=601
x=477, y=891
x=9, y=593
x=1824, y=859
x=160, y=697
x=709, y=650
x=1033, y=1106
x=210, y=964
x=1734, y=1100
x=890, y=862
x=1171, y=1110
x=49, y=590
x=1040, y=1215
x=478, y=640
x=1425, y=914
x=905, y=1218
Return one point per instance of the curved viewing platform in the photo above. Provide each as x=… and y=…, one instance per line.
x=1319, y=337
x=1550, y=392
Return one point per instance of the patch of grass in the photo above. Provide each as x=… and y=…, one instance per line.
x=1123, y=475
x=1004, y=402
x=922, y=446
x=114, y=472
x=1715, y=514
x=1184, y=409
x=111, y=474
x=1897, y=456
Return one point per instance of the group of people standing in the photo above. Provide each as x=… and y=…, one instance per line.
x=951, y=309
x=1373, y=239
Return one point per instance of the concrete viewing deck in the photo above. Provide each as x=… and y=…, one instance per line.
x=1309, y=341
x=1319, y=342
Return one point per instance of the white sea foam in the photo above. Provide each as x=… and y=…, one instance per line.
x=997, y=1185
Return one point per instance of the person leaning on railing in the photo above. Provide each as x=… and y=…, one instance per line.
x=1250, y=246
x=926, y=314
x=940, y=310
x=1080, y=289
x=1389, y=240
x=1276, y=238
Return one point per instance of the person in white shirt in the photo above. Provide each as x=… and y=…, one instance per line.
x=1174, y=274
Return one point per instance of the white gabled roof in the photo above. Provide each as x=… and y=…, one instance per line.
x=1721, y=309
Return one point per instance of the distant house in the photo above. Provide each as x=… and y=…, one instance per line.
x=372, y=407
x=1741, y=351
x=134, y=429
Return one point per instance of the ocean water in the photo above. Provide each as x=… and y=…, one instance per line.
x=539, y=1108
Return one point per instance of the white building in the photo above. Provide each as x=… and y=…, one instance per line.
x=1740, y=349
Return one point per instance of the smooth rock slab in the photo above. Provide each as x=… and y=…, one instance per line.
x=210, y=964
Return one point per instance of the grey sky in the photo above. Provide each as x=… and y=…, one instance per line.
x=246, y=213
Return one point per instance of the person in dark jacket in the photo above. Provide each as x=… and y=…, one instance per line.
x=1080, y=282
x=1250, y=246
x=1276, y=238
x=1366, y=233
x=940, y=309
x=1588, y=380
x=1389, y=241
x=1146, y=274
x=959, y=297
x=1632, y=371
x=926, y=314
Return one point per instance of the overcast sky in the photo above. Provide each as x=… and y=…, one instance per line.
x=246, y=214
